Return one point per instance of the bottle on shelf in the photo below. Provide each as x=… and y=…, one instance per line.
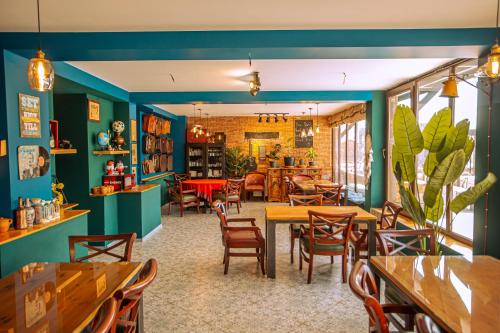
x=30, y=213
x=21, y=222
x=52, y=142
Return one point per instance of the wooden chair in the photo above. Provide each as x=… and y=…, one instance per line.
x=290, y=186
x=331, y=193
x=180, y=177
x=425, y=324
x=388, y=221
x=129, y=299
x=298, y=178
x=301, y=200
x=327, y=235
x=231, y=193
x=183, y=198
x=248, y=237
x=116, y=241
x=104, y=318
x=393, y=242
x=255, y=182
x=363, y=284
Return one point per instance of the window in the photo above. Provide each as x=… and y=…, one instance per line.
x=342, y=179
x=360, y=156
x=428, y=89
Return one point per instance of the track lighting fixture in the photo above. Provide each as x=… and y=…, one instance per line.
x=275, y=118
x=275, y=115
x=260, y=118
x=285, y=119
x=268, y=119
x=254, y=84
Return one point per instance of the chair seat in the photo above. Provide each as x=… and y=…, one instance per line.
x=323, y=247
x=243, y=238
x=222, y=196
x=296, y=227
x=254, y=188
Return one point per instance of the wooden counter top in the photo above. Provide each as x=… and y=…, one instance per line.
x=137, y=189
x=14, y=234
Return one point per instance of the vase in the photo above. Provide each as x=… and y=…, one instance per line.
x=289, y=161
x=273, y=164
x=312, y=163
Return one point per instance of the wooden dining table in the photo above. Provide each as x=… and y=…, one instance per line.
x=460, y=294
x=299, y=214
x=59, y=297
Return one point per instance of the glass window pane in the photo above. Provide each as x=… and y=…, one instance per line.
x=350, y=155
x=360, y=156
x=342, y=152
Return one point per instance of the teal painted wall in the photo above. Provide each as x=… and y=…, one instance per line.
x=5, y=208
x=375, y=123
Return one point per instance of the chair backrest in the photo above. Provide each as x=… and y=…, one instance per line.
x=331, y=193
x=234, y=186
x=305, y=200
x=255, y=178
x=219, y=208
x=421, y=241
x=362, y=281
x=290, y=186
x=105, y=317
x=389, y=217
x=129, y=298
x=300, y=177
x=116, y=241
x=425, y=324
x=179, y=177
x=378, y=321
x=338, y=231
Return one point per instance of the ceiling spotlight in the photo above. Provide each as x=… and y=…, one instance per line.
x=254, y=84
x=260, y=118
x=268, y=119
x=275, y=118
x=285, y=119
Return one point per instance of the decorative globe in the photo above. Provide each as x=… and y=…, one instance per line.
x=118, y=126
x=103, y=139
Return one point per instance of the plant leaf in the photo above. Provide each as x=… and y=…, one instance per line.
x=445, y=173
x=462, y=135
x=430, y=164
x=435, y=130
x=407, y=134
x=436, y=212
x=411, y=205
x=469, y=148
x=449, y=143
x=470, y=196
x=406, y=163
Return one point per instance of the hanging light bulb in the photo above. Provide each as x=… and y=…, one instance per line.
x=317, y=117
x=492, y=67
x=194, y=129
x=207, y=132
x=310, y=131
x=303, y=133
x=40, y=70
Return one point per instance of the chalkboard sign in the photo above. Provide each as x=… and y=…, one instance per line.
x=303, y=142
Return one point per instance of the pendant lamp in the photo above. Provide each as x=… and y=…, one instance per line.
x=492, y=66
x=317, y=118
x=310, y=131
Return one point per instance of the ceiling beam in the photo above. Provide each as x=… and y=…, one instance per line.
x=243, y=97
x=261, y=44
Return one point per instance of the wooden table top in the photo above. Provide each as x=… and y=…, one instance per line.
x=299, y=213
x=308, y=185
x=460, y=295
x=59, y=297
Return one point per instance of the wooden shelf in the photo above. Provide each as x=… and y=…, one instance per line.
x=61, y=151
x=69, y=205
x=111, y=152
x=163, y=175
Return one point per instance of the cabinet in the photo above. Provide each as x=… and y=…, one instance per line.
x=276, y=185
x=206, y=160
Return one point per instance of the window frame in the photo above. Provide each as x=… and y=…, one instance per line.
x=413, y=87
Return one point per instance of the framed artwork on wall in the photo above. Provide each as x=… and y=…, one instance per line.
x=94, y=111
x=33, y=161
x=300, y=141
x=133, y=130
x=29, y=116
x=133, y=148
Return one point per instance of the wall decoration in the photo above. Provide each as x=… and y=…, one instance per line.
x=29, y=116
x=262, y=153
x=133, y=130
x=134, y=170
x=133, y=149
x=262, y=135
x=303, y=142
x=33, y=161
x=94, y=111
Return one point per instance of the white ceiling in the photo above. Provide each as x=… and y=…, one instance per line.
x=155, y=15
x=227, y=110
x=275, y=75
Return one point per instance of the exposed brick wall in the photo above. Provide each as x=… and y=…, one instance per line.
x=235, y=128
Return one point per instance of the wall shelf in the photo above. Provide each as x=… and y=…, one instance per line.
x=111, y=152
x=163, y=175
x=62, y=151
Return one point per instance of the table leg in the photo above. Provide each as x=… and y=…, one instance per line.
x=271, y=249
x=372, y=246
x=140, y=316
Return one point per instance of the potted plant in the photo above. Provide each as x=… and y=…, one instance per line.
x=311, y=154
x=289, y=159
x=449, y=148
x=274, y=155
x=237, y=163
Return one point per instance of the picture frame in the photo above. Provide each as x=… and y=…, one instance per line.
x=133, y=148
x=133, y=130
x=94, y=111
x=29, y=116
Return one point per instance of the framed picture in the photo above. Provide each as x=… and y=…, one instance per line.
x=133, y=130
x=28, y=164
x=29, y=116
x=133, y=148
x=303, y=142
x=94, y=111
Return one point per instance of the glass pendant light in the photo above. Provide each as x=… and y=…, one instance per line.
x=194, y=129
x=200, y=127
x=492, y=66
x=317, y=117
x=303, y=133
x=40, y=70
x=207, y=132
x=310, y=131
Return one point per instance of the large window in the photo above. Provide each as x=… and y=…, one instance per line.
x=428, y=89
x=350, y=168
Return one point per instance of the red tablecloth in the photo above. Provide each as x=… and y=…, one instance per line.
x=204, y=187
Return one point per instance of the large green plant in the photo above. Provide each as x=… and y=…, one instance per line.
x=237, y=163
x=449, y=148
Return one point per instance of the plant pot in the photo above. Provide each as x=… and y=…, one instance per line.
x=312, y=163
x=289, y=161
x=302, y=162
x=273, y=164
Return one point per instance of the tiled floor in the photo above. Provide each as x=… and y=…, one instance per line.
x=191, y=293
